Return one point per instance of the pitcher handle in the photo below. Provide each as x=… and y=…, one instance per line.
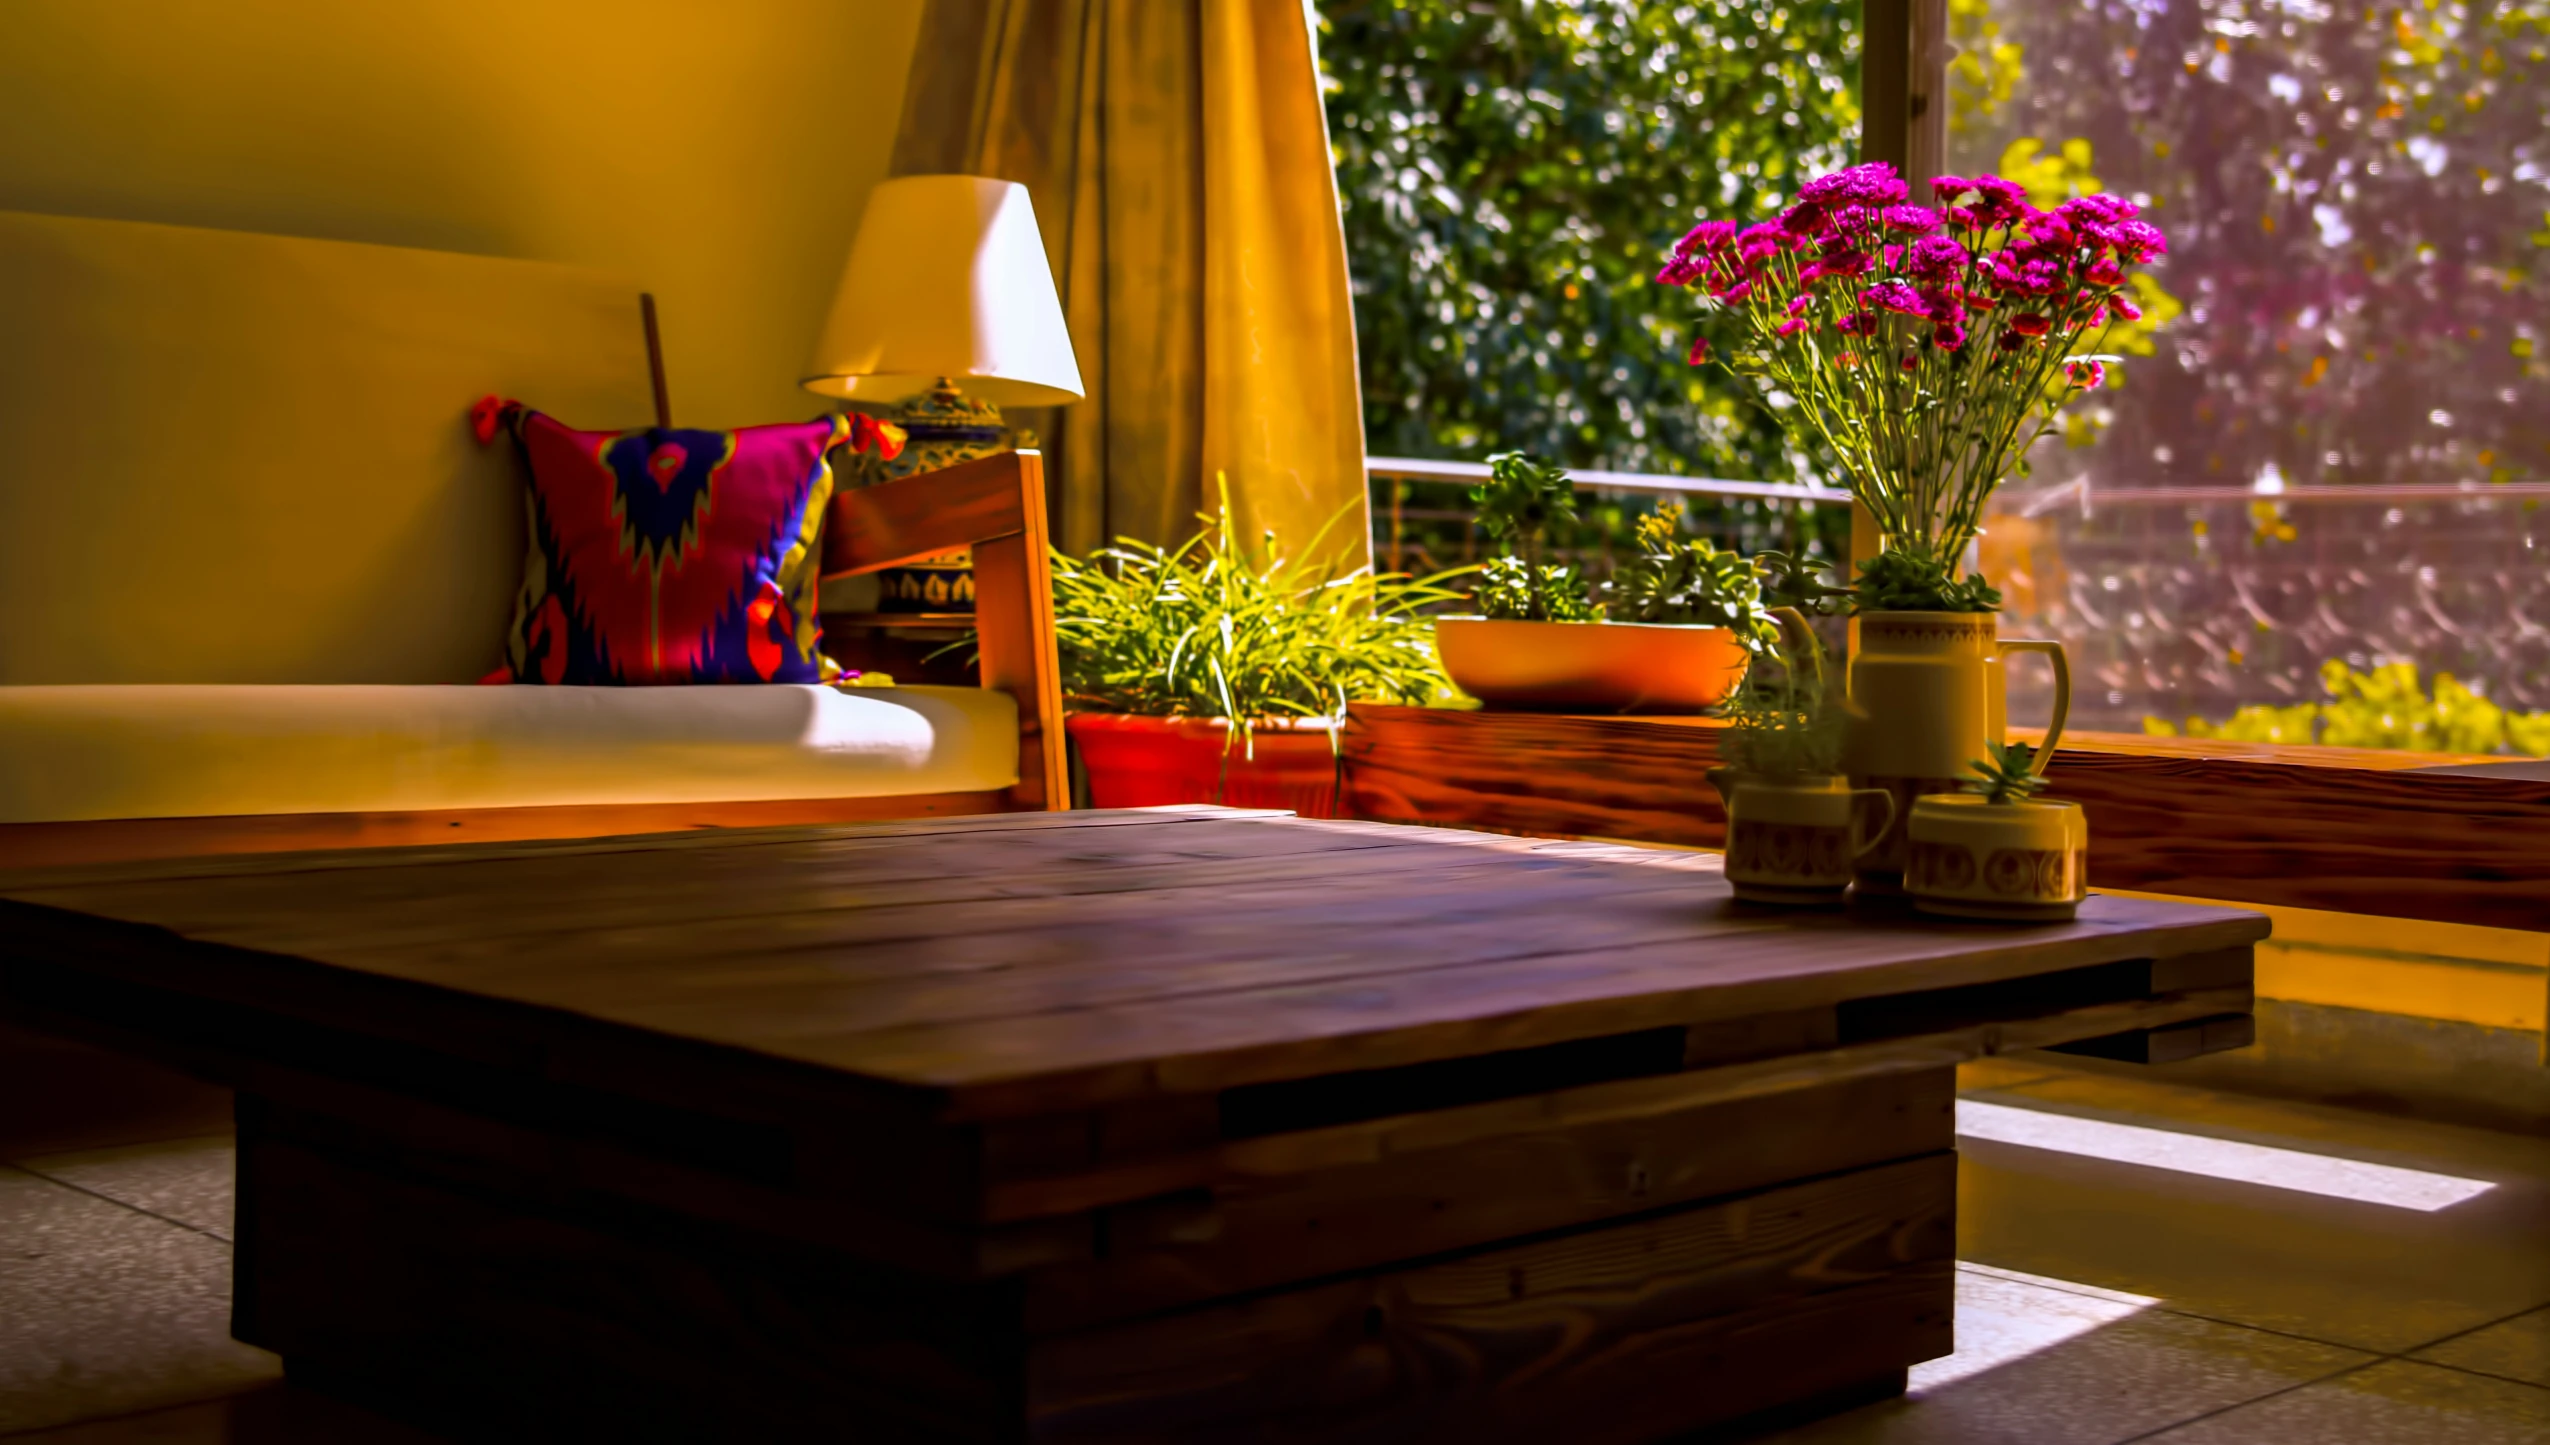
x=1794, y=623
x=1877, y=834
x=2062, y=693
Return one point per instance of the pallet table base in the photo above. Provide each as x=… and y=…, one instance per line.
x=438, y=1288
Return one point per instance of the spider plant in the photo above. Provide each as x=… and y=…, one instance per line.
x=1216, y=628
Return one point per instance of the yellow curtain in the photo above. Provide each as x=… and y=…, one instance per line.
x=1178, y=155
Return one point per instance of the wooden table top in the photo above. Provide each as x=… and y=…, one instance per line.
x=1023, y=963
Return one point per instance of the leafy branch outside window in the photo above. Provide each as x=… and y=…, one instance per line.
x=1517, y=504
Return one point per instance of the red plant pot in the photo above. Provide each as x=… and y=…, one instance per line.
x=1143, y=762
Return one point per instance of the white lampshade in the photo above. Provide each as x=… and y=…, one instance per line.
x=947, y=278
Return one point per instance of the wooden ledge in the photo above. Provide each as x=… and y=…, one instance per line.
x=2351, y=830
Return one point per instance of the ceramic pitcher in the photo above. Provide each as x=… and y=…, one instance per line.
x=1927, y=694
x=1792, y=840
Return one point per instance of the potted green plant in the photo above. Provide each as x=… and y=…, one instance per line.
x=1927, y=348
x=1213, y=671
x=1997, y=850
x=1684, y=617
x=1794, y=823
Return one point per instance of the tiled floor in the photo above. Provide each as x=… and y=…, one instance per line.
x=2101, y=1302
x=2104, y=1302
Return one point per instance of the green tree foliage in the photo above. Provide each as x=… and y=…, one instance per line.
x=2357, y=197
x=1521, y=502
x=1512, y=173
x=2387, y=707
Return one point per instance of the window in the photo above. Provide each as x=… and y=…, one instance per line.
x=2331, y=447
x=1511, y=173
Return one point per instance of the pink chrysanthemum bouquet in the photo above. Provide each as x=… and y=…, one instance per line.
x=1921, y=342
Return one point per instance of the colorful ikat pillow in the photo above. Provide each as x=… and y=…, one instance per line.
x=671, y=556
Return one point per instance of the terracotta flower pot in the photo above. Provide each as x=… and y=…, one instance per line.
x=1590, y=666
x=1970, y=858
x=1792, y=840
x=1144, y=762
x=1926, y=691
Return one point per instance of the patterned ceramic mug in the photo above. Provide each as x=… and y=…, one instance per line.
x=1794, y=841
x=1970, y=858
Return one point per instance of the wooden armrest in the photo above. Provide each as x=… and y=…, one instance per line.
x=900, y=522
x=997, y=507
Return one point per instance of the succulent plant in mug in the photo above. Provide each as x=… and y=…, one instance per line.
x=2006, y=774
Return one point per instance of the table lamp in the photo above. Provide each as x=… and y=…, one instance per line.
x=947, y=310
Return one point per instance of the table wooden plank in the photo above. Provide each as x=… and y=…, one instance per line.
x=530, y=898
x=339, y=860
x=1239, y=1162
x=1759, y=1296
x=1191, y=1044
x=875, y=969
x=1053, y=962
x=1253, y=1231
x=1081, y=996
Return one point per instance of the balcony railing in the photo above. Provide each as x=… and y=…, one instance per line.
x=1422, y=521
x=1418, y=469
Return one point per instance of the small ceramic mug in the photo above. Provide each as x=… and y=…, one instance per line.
x=1975, y=859
x=1795, y=841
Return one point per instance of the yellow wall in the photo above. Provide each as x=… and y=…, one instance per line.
x=717, y=152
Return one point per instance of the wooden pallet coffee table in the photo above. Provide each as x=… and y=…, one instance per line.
x=1183, y=1126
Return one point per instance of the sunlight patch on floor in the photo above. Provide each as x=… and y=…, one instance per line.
x=2004, y=1315
x=2216, y=1158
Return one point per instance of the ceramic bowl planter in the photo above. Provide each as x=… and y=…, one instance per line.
x=1792, y=841
x=1145, y=762
x=1926, y=691
x=1590, y=666
x=2020, y=860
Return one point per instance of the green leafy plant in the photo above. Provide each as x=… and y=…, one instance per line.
x=1791, y=581
x=1513, y=589
x=1915, y=581
x=1787, y=718
x=1900, y=581
x=1686, y=580
x=2388, y=707
x=1517, y=504
x=1521, y=498
x=1215, y=628
x=2005, y=774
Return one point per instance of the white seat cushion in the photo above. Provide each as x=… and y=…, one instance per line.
x=181, y=750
